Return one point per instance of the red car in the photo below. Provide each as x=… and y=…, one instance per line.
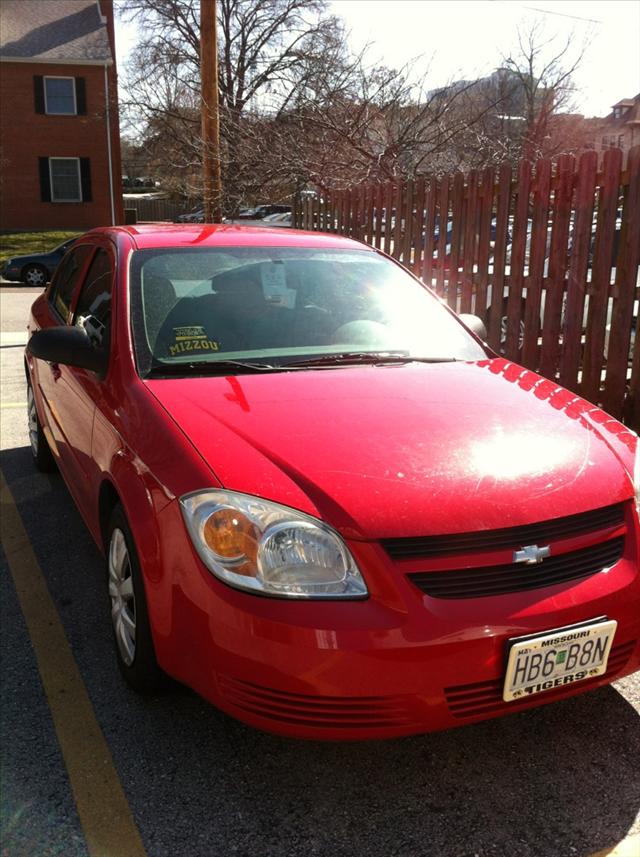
x=326, y=506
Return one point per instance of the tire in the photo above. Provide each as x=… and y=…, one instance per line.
x=42, y=456
x=129, y=616
x=503, y=326
x=35, y=275
x=503, y=332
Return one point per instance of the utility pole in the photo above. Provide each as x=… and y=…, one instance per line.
x=212, y=185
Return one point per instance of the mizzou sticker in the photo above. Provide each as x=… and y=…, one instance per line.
x=191, y=338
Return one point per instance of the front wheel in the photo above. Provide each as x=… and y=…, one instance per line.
x=504, y=321
x=132, y=632
x=35, y=275
x=42, y=455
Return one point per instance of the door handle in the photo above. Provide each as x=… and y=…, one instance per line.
x=55, y=371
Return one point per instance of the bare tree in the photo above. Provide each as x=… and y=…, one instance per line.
x=542, y=72
x=266, y=49
x=298, y=109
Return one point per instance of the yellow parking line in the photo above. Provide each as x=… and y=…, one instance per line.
x=13, y=404
x=629, y=847
x=105, y=816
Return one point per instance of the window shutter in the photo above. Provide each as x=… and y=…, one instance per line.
x=85, y=178
x=81, y=96
x=38, y=93
x=45, y=181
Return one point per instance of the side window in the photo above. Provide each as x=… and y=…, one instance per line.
x=93, y=310
x=65, y=280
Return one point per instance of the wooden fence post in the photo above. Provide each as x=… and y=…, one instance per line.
x=484, y=241
x=558, y=254
x=537, y=255
x=408, y=218
x=499, y=256
x=576, y=284
x=470, y=241
x=429, y=232
x=625, y=292
x=416, y=265
x=600, y=288
x=457, y=230
x=378, y=218
x=518, y=256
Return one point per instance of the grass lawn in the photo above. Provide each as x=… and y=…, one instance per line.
x=24, y=243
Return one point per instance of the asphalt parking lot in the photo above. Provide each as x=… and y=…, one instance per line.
x=89, y=768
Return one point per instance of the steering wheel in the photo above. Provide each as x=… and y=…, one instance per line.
x=363, y=332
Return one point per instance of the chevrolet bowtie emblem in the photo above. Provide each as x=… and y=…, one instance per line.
x=531, y=554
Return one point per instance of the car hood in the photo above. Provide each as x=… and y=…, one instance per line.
x=413, y=449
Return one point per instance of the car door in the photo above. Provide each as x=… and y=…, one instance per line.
x=85, y=390
x=72, y=392
x=60, y=296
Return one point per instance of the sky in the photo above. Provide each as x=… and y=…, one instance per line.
x=465, y=39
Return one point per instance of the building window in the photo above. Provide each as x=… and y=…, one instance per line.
x=64, y=174
x=65, y=179
x=60, y=95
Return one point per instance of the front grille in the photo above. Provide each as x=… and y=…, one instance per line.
x=515, y=577
x=542, y=533
x=319, y=711
x=483, y=698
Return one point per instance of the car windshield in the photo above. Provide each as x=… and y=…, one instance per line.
x=283, y=307
x=62, y=248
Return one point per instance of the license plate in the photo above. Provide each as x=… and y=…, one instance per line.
x=558, y=658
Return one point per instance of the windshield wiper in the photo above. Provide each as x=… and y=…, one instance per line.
x=209, y=367
x=374, y=358
x=322, y=361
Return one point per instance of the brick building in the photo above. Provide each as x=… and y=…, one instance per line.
x=621, y=128
x=59, y=133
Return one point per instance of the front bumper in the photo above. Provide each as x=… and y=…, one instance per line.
x=11, y=273
x=396, y=664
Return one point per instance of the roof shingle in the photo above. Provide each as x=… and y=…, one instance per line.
x=53, y=31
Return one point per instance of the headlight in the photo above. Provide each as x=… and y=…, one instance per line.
x=266, y=548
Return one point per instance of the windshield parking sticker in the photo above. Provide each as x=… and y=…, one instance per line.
x=191, y=338
x=274, y=285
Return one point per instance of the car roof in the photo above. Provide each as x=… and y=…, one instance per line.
x=146, y=236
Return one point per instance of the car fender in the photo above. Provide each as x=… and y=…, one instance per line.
x=137, y=491
x=39, y=264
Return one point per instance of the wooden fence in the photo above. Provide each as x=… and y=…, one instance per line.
x=156, y=209
x=547, y=256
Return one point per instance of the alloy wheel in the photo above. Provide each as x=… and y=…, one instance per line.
x=123, y=602
x=32, y=418
x=35, y=276
x=503, y=332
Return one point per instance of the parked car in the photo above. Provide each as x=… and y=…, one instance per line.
x=282, y=218
x=195, y=216
x=258, y=212
x=35, y=269
x=324, y=503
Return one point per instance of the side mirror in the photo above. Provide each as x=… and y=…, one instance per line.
x=475, y=325
x=67, y=345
